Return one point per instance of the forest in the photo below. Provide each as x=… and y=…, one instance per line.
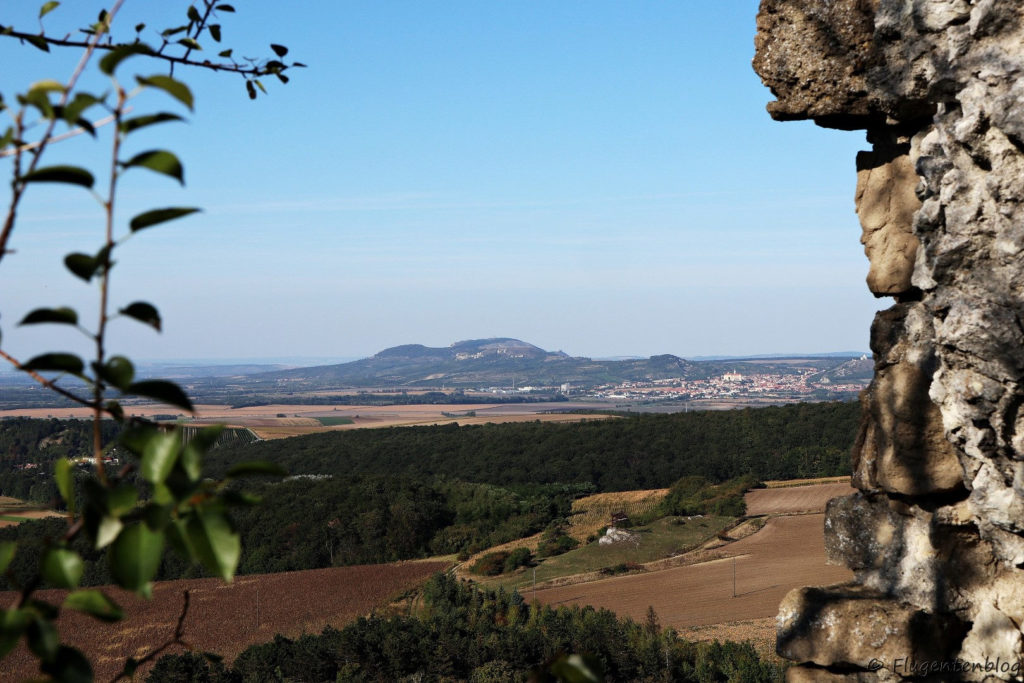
x=461, y=632
x=367, y=496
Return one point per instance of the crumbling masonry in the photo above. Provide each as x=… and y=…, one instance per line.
x=935, y=535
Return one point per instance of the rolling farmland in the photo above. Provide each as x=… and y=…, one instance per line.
x=698, y=598
x=227, y=618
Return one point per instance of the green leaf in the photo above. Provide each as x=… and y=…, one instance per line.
x=225, y=8
x=115, y=410
x=244, y=469
x=177, y=538
x=60, y=174
x=135, y=557
x=216, y=543
x=113, y=59
x=118, y=372
x=48, y=7
x=62, y=362
x=160, y=161
x=190, y=43
x=62, y=567
x=107, y=531
x=122, y=499
x=133, y=124
x=214, y=31
x=39, y=42
x=12, y=624
x=143, y=312
x=175, y=89
x=82, y=265
x=94, y=603
x=251, y=89
x=259, y=84
x=157, y=216
x=63, y=315
x=279, y=50
x=193, y=14
x=159, y=456
x=42, y=638
x=7, y=549
x=69, y=666
x=65, y=482
x=225, y=53
x=163, y=391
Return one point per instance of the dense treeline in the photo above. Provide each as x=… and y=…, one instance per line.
x=464, y=633
x=306, y=523
x=28, y=448
x=636, y=452
x=368, y=496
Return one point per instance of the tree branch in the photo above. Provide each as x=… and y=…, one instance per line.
x=231, y=67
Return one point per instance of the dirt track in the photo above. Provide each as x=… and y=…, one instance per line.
x=787, y=553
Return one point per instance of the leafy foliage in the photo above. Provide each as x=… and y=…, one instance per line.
x=160, y=496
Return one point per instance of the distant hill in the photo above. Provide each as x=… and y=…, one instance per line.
x=499, y=361
x=507, y=362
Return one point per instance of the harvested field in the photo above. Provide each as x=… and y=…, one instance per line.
x=760, y=632
x=794, y=499
x=788, y=552
x=227, y=618
x=591, y=513
x=16, y=517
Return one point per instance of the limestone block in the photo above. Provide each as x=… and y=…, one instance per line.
x=813, y=56
x=889, y=545
x=993, y=640
x=854, y=627
x=813, y=674
x=901, y=446
x=886, y=203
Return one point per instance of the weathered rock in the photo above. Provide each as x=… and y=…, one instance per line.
x=814, y=56
x=938, y=536
x=859, y=628
x=901, y=447
x=886, y=203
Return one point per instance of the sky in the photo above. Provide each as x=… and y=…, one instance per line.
x=591, y=176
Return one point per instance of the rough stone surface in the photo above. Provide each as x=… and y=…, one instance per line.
x=938, y=533
x=886, y=203
x=901, y=447
x=854, y=627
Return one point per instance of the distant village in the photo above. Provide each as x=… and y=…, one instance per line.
x=726, y=387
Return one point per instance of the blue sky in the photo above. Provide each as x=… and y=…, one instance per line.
x=598, y=177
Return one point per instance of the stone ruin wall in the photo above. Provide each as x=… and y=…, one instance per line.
x=935, y=534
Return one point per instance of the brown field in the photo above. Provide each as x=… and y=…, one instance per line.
x=227, y=618
x=788, y=552
x=301, y=419
x=795, y=499
x=30, y=514
x=785, y=483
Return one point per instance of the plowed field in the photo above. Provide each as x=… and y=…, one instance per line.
x=788, y=552
x=226, y=618
x=794, y=499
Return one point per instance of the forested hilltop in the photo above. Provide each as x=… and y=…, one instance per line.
x=639, y=451
x=379, y=495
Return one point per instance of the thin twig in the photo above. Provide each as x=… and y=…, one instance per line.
x=18, y=188
x=232, y=67
x=176, y=639
x=58, y=138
